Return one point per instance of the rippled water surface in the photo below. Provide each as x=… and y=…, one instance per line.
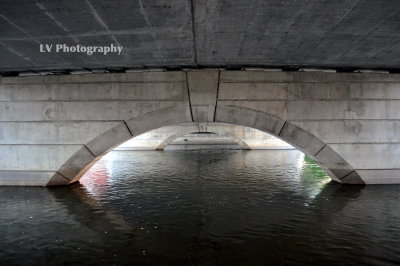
x=201, y=208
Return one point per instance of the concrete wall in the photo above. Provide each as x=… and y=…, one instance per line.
x=53, y=128
x=224, y=134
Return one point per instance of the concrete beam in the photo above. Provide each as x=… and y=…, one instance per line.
x=97, y=91
x=31, y=178
x=353, y=131
x=71, y=132
x=78, y=111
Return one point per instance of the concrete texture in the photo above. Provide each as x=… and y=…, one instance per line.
x=54, y=128
x=181, y=33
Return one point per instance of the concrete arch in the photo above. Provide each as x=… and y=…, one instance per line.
x=172, y=137
x=337, y=168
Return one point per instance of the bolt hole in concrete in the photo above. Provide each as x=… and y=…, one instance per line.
x=186, y=206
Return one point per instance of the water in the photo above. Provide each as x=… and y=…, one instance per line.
x=201, y=208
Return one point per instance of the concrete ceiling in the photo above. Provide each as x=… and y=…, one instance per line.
x=202, y=33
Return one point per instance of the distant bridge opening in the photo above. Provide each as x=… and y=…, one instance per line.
x=207, y=135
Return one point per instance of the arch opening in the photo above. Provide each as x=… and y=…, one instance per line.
x=210, y=135
x=204, y=140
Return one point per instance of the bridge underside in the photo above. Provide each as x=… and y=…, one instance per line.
x=53, y=128
x=173, y=34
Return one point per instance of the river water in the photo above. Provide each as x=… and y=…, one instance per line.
x=271, y=207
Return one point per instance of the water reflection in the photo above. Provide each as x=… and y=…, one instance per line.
x=201, y=208
x=99, y=177
x=313, y=178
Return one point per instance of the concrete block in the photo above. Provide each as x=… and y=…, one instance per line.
x=58, y=180
x=78, y=132
x=81, y=160
x=252, y=91
x=28, y=111
x=311, y=110
x=353, y=131
x=180, y=113
x=256, y=76
x=317, y=91
x=307, y=110
x=78, y=111
x=151, y=91
x=306, y=77
x=203, y=112
x=25, y=178
x=380, y=176
x=5, y=93
x=35, y=157
x=374, y=91
x=324, y=77
x=332, y=110
x=273, y=108
x=109, y=139
x=282, y=91
x=353, y=178
x=373, y=109
x=301, y=139
x=328, y=158
x=370, y=156
x=250, y=118
x=171, y=76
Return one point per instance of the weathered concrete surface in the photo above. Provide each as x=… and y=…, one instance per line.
x=170, y=33
x=245, y=137
x=53, y=128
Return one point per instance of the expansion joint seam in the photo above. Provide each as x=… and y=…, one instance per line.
x=90, y=151
x=193, y=31
x=63, y=176
x=188, y=92
x=217, y=95
x=280, y=131
x=130, y=132
x=320, y=150
x=346, y=175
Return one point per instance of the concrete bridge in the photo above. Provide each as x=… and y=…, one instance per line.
x=54, y=128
